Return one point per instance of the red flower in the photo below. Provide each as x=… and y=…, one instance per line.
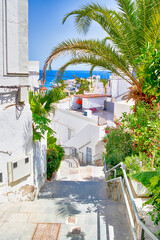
x=105, y=140
x=117, y=123
x=106, y=131
x=91, y=109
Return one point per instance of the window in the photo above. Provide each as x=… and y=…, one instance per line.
x=89, y=155
x=15, y=165
x=26, y=160
x=1, y=177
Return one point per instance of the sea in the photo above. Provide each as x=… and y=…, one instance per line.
x=71, y=74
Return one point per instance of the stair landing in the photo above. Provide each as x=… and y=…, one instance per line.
x=80, y=173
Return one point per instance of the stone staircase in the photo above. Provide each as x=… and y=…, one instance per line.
x=80, y=203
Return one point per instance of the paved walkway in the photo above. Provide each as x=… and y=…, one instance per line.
x=75, y=204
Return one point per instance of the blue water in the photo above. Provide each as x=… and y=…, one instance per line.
x=51, y=75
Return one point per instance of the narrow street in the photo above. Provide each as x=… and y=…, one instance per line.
x=77, y=200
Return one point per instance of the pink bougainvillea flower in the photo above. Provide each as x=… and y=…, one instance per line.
x=106, y=131
x=118, y=124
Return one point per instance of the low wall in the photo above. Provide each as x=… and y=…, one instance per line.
x=114, y=191
x=39, y=164
x=121, y=107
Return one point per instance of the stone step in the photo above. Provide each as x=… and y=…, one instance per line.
x=85, y=205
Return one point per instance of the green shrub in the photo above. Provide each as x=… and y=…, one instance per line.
x=55, y=154
x=149, y=72
x=118, y=144
x=144, y=126
x=54, y=158
x=154, y=188
x=137, y=163
x=145, y=177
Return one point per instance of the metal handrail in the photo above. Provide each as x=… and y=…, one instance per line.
x=98, y=154
x=71, y=155
x=140, y=223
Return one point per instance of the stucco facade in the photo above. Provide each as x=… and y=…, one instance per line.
x=119, y=87
x=16, y=144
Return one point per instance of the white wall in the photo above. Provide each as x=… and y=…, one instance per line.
x=93, y=103
x=65, y=103
x=65, y=119
x=121, y=107
x=15, y=119
x=119, y=87
x=88, y=103
x=15, y=141
x=14, y=42
x=98, y=88
x=40, y=163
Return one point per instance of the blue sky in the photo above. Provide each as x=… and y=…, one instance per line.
x=46, y=29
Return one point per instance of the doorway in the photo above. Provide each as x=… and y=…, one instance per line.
x=89, y=155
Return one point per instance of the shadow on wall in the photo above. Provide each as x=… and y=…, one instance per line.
x=11, y=99
x=27, y=135
x=8, y=97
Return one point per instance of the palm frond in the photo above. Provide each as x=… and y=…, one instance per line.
x=127, y=30
x=153, y=32
x=98, y=49
x=113, y=23
x=92, y=61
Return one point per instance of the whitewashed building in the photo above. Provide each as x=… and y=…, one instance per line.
x=82, y=127
x=17, y=168
x=79, y=122
x=118, y=87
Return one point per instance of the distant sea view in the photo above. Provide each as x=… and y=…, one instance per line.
x=71, y=74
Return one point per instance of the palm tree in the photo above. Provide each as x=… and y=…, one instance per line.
x=84, y=85
x=105, y=83
x=128, y=30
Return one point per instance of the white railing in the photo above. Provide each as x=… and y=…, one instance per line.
x=139, y=222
